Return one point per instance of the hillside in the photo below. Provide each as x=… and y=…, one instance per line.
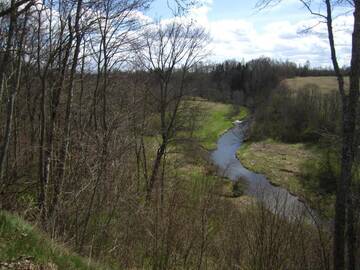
x=23, y=246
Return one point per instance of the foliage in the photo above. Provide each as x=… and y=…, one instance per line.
x=321, y=175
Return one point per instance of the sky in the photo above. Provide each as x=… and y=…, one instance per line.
x=240, y=31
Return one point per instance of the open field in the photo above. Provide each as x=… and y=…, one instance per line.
x=325, y=83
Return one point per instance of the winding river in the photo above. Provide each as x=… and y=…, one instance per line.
x=276, y=199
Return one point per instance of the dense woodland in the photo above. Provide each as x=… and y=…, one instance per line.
x=97, y=145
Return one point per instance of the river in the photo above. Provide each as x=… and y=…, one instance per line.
x=276, y=199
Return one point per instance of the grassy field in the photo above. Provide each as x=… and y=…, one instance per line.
x=217, y=118
x=280, y=162
x=19, y=239
x=325, y=83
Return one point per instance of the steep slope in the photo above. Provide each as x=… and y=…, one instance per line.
x=23, y=246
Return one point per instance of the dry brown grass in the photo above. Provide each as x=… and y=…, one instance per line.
x=280, y=162
x=325, y=83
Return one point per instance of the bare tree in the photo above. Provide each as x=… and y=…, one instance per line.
x=14, y=42
x=169, y=52
x=110, y=43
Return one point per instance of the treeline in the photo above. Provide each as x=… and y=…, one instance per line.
x=248, y=83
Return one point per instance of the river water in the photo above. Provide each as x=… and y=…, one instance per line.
x=276, y=199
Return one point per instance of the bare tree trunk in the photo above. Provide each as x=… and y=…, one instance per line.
x=104, y=105
x=48, y=153
x=353, y=104
x=42, y=183
x=10, y=103
x=70, y=89
x=343, y=213
x=155, y=170
x=82, y=71
x=349, y=103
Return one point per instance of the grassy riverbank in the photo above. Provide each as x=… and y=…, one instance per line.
x=284, y=164
x=188, y=159
x=216, y=119
x=280, y=162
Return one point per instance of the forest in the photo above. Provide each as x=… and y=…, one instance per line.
x=122, y=146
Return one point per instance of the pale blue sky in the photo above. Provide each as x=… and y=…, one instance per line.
x=240, y=9
x=240, y=31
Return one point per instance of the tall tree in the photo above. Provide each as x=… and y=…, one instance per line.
x=170, y=51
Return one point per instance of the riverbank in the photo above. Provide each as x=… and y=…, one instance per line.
x=215, y=119
x=283, y=165
x=188, y=157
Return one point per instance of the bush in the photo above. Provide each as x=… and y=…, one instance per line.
x=238, y=188
x=321, y=176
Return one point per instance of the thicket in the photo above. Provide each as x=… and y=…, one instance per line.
x=301, y=115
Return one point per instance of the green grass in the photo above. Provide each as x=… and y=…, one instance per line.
x=218, y=118
x=20, y=239
x=326, y=84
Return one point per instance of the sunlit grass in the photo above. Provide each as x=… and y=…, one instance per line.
x=217, y=118
x=20, y=239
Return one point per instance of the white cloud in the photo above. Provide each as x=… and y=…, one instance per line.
x=240, y=39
